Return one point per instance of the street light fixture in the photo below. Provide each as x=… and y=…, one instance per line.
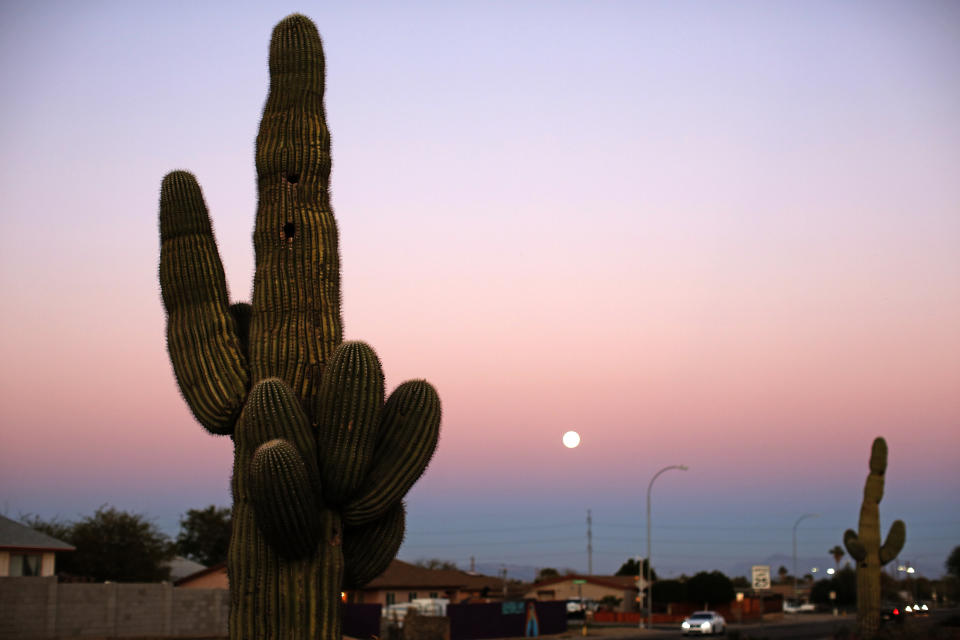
x=682, y=467
x=796, y=589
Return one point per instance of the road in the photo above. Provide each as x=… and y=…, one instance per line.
x=796, y=627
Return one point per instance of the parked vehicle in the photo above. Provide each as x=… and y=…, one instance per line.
x=798, y=606
x=396, y=613
x=576, y=607
x=704, y=623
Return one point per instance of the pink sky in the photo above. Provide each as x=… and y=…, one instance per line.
x=722, y=235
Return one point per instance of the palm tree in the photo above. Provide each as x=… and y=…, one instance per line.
x=837, y=552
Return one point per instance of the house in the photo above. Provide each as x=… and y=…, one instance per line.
x=27, y=552
x=578, y=587
x=214, y=577
x=181, y=567
x=405, y=582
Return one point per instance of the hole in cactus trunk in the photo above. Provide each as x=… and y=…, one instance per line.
x=293, y=178
x=289, y=230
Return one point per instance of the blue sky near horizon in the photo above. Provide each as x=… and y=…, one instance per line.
x=725, y=235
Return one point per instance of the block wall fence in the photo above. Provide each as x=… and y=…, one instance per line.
x=42, y=608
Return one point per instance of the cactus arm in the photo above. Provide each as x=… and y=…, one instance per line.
x=896, y=538
x=275, y=470
x=368, y=549
x=273, y=411
x=201, y=333
x=295, y=325
x=854, y=547
x=285, y=504
x=347, y=411
x=408, y=438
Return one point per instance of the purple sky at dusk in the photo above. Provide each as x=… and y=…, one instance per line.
x=725, y=235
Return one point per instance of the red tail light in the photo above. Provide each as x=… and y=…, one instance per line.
x=896, y=612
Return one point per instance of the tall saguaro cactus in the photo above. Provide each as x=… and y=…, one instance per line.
x=864, y=546
x=321, y=460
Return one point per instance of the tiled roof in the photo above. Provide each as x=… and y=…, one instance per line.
x=217, y=568
x=14, y=535
x=402, y=574
x=616, y=582
x=181, y=567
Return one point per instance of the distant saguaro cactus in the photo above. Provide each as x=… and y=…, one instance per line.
x=865, y=548
x=321, y=461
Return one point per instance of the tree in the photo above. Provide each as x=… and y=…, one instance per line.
x=205, y=535
x=843, y=584
x=952, y=580
x=54, y=528
x=547, y=573
x=783, y=573
x=631, y=568
x=112, y=545
x=837, y=552
x=668, y=591
x=952, y=564
x=712, y=588
x=741, y=582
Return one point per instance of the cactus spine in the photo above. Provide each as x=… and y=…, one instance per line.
x=321, y=460
x=864, y=546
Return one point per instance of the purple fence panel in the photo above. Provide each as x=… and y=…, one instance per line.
x=506, y=619
x=360, y=620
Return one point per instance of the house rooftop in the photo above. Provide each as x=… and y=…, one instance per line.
x=15, y=535
x=616, y=582
x=400, y=574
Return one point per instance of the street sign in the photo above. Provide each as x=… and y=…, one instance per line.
x=579, y=581
x=761, y=576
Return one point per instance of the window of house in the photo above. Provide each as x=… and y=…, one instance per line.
x=391, y=598
x=433, y=595
x=412, y=596
x=25, y=564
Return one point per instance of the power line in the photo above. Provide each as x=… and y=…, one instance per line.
x=492, y=543
x=637, y=527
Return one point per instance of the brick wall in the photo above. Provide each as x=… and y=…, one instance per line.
x=42, y=608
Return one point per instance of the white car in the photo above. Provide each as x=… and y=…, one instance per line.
x=798, y=606
x=703, y=623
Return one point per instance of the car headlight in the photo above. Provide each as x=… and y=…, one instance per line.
x=685, y=625
x=908, y=609
x=925, y=608
x=705, y=625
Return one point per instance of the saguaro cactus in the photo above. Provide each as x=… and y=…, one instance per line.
x=321, y=461
x=865, y=548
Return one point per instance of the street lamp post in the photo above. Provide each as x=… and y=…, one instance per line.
x=682, y=467
x=796, y=590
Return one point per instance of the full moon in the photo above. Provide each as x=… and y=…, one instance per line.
x=571, y=439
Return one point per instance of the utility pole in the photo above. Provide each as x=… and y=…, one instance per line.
x=589, y=544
